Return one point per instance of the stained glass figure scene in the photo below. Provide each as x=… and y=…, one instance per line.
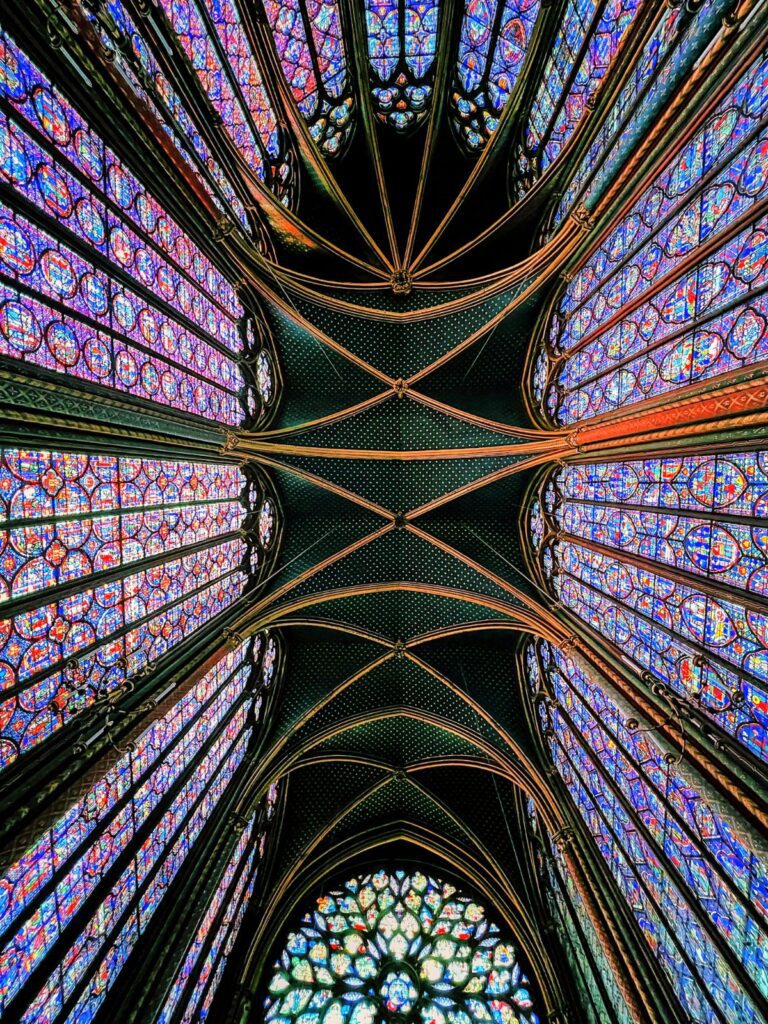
x=109, y=562
x=398, y=946
x=103, y=285
x=662, y=558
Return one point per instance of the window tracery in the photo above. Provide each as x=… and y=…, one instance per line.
x=260, y=355
x=398, y=944
x=310, y=46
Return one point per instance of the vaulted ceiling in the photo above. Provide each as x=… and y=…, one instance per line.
x=402, y=295
x=403, y=450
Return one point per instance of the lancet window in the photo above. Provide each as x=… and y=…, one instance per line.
x=92, y=882
x=97, y=280
x=310, y=46
x=585, y=47
x=679, y=37
x=217, y=46
x=402, y=44
x=663, y=558
x=494, y=42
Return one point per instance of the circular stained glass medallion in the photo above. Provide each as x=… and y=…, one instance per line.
x=398, y=947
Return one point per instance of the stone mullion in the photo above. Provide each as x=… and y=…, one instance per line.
x=531, y=878
x=690, y=258
x=58, y=405
x=565, y=940
x=737, y=781
x=210, y=940
x=638, y=976
x=62, y=871
x=107, y=107
x=603, y=99
x=172, y=59
x=61, y=159
x=703, y=652
x=123, y=45
x=550, y=18
x=568, y=82
x=118, y=633
x=208, y=831
x=719, y=754
x=60, y=232
x=251, y=15
x=262, y=867
x=235, y=85
x=710, y=587
x=49, y=595
x=726, y=60
x=657, y=904
x=537, y=888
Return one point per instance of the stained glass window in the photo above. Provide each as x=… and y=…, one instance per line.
x=162, y=323
x=663, y=557
x=669, y=54
x=310, y=46
x=694, y=878
x=108, y=562
x=494, y=41
x=154, y=801
x=394, y=943
x=206, y=955
x=121, y=35
x=216, y=44
x=645, y=314
x=402, y=43
x=585, y=47
x=239, y=868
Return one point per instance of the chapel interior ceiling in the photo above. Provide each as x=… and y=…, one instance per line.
x=401, y=285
